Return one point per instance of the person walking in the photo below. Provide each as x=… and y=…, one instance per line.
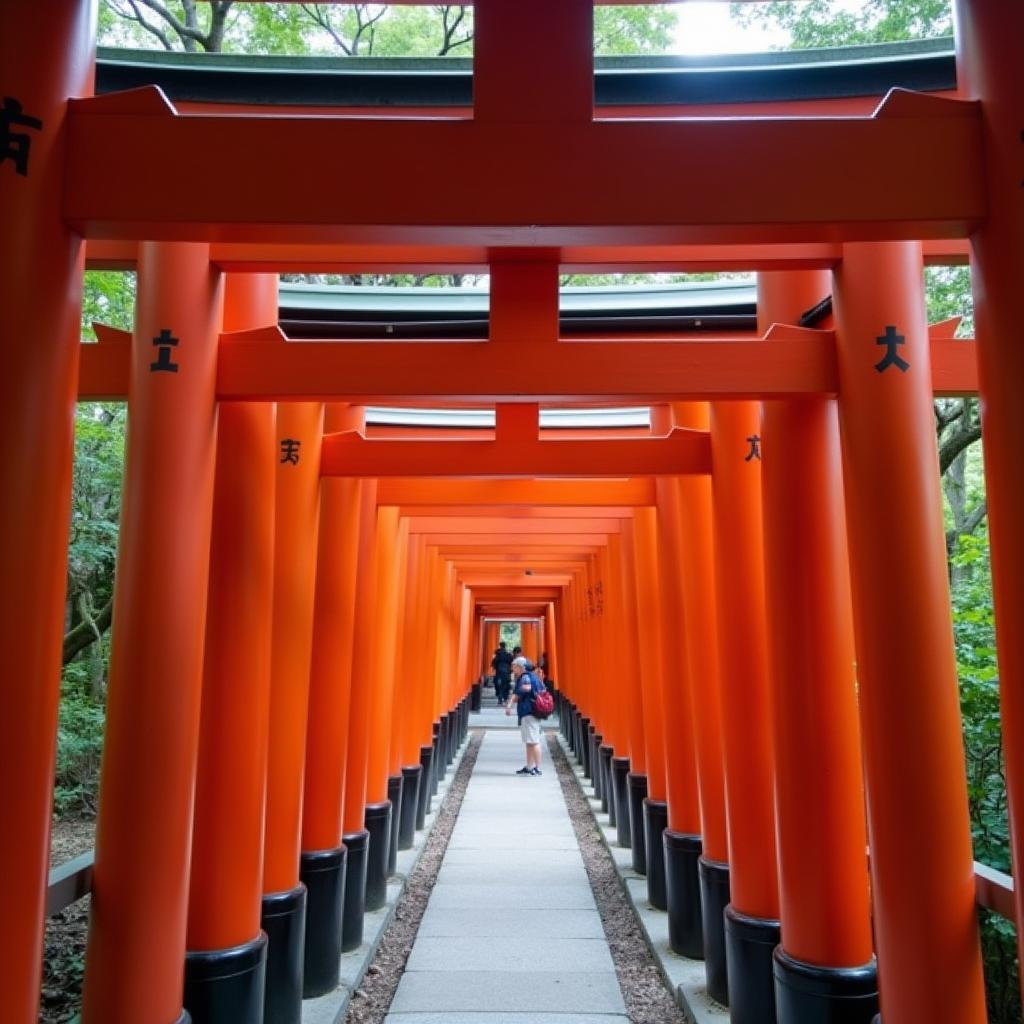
x=526, y=687
x=502, y=665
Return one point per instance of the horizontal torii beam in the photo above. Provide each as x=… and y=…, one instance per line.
x=263, y=366
x=535, y=181
x=410, y=492
x=680, y=453
x=354, y=258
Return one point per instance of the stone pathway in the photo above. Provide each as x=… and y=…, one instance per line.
x=511, y=934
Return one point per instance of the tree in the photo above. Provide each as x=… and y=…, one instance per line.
x=187, y=24
x=363, y=29
x=831, y=23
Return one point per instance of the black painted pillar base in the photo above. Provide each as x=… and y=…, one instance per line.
x=584, y=754
x=426, y=777
x=655, y=822
x=572, y=715
x=453, y=732
x=354, y=902
x=620, y=773
x=807, y=994
x=438, y=767
x=605, y=774
x=443, y=742
x=465, y=721
x=592, y=744
x=637, y=794
x=411, y=774
x=749, y=945
x=378, y=824
x=395, y=796
x=714, y=898
x=283, y=918
x=323, y=874
x=682, y=893
x=225, y=986
x=595, y=761
x=476, y=696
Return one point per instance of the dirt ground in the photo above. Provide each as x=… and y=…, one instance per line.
x=64, y=942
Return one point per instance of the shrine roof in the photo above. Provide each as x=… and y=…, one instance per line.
x=314, y=310
x=922, y=65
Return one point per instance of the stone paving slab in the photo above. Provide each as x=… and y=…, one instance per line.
x=507, y=842
x=510, y=896
x=477, y=856
x=498, y=874
x=567, y=992
x=504, y=1018
x=511, y=934
x=513, y=925
x=457, y=954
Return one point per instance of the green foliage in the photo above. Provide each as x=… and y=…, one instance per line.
x=974, y=630
x=820, y=23
x=512, y=634
x=79, y=745
x=644, y=28
x=948, y=292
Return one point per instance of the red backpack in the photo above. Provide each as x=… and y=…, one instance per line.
x=543, y=703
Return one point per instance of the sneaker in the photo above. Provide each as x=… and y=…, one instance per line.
x=536, y=771
x=525, y=771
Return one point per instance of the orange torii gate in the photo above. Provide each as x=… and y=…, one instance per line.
x=765, y=704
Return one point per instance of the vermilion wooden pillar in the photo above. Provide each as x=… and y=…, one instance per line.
x=752, y=927
x=379, y=678
x=697, y=576
x=921, y=862
x=226, y=964
x=408, y=739
x=682, y=811
x=989, y=69
x=648, y=598
x=623, y=558
x=356, y=834
x=136, y=948
x=323, y=863
x=46, y=53
x=299, y=435
x=825, y=965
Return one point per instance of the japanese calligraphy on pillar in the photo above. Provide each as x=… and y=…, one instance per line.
x=755, y=448
x=892, y=342
x=16, y=145
x=164, y=343
x=290, y=451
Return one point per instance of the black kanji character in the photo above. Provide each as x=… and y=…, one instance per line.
x=15, y=146
x=164, y=342
x=892, y=341
x=290, y=450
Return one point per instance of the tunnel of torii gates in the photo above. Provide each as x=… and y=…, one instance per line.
x=745, y=611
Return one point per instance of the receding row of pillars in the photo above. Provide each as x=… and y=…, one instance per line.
x=770, y=689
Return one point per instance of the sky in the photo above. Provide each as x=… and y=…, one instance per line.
x=707, y=28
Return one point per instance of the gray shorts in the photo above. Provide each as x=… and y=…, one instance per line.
x=529, y=729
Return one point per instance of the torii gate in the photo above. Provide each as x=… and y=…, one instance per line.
x=550, y=187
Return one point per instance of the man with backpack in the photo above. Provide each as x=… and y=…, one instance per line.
x=533, y=702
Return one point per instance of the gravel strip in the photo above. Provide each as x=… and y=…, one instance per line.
x=648, y=999
x=372, y=1000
